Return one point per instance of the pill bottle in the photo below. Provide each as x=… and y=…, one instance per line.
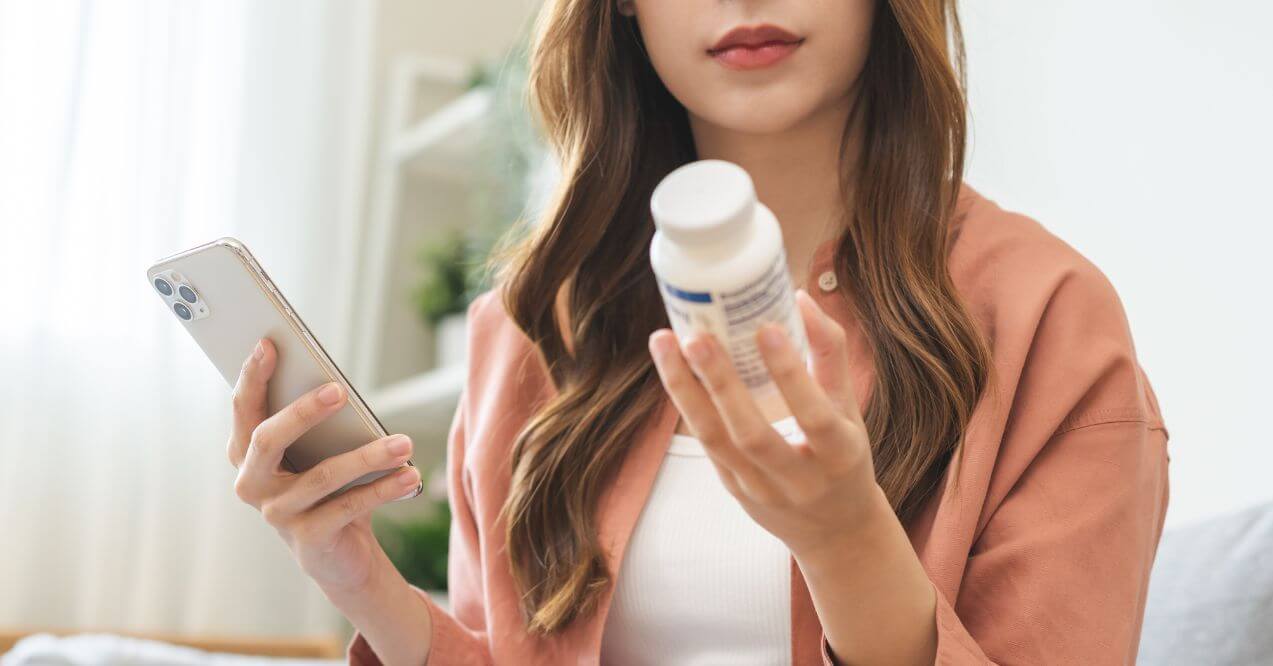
x=721, y=266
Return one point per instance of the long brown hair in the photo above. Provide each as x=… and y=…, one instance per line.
x=617, y=131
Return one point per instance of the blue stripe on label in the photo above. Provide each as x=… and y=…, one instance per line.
x=692, y=296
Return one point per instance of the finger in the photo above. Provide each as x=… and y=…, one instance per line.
x=829, y=355
x=697, y=408
x=324, y=522
x=816, y=414
x=748, y=429
x=313, y=485
x=270, y=439
x=249, y=403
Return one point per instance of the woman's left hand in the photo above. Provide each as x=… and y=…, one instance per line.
x=811, y=494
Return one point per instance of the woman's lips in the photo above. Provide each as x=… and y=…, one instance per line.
x=755, y=57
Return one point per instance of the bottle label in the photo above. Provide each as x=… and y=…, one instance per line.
x=734, y=317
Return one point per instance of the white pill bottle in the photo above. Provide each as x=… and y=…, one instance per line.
x=721, y=266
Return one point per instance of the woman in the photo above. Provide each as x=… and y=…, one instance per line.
x=983, y=473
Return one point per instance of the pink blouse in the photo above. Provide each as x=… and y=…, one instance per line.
x=1038, y=542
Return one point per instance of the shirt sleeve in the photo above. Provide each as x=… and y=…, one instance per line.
x=459, y=638
x=1058, y=572
x=1061, y=571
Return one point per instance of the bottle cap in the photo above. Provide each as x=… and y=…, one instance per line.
x=703, y=201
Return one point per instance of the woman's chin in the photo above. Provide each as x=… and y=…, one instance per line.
x=756, y=117
x=761, y=109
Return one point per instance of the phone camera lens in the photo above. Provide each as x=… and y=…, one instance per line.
x=162, y=286
x=182, y=311
x=187, y=293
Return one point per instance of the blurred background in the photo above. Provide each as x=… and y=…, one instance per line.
x=370, y=152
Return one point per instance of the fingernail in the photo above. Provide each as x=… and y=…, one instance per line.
x=330, y=393
x=258, y=352
x=658, y=347
x=408, y=477
x=398, y=445
x=771, y=336
x=698, y=350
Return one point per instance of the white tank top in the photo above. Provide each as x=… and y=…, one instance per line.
x=701, y=583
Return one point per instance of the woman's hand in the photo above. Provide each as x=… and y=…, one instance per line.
x=811, y=494
x=330, y=537
x=819, y=496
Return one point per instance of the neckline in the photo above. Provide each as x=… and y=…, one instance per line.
x=686, y=445
x=823, y=258
x=691, y=446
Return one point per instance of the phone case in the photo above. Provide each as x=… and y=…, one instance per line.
x=235, y=304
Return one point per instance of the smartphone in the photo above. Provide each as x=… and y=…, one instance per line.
x=226, y=301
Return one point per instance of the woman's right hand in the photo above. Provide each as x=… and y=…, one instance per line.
x=331, y=538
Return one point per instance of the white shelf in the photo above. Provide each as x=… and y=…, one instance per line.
x=444, y=142
x=421, y=176
x=422, y=407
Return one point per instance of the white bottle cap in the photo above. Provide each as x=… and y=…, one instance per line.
x=703, y=202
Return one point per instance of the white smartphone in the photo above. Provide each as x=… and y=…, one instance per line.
x=227, y=302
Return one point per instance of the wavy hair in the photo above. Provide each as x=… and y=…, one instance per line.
x=584, y=270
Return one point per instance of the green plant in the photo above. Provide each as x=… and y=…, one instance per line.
x=506, y=154
x=418, y=547
x=509, y=159
x=443, y=288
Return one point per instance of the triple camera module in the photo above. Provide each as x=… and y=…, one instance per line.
x=180, y=296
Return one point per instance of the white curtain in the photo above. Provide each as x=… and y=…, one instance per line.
x=130, y=130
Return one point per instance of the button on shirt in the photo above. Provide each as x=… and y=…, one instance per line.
x=827, y=281
x=1059, y=493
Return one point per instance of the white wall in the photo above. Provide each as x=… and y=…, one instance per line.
x=1139, y=132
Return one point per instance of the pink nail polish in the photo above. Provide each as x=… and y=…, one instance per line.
x=398, y=445
x=330, y=394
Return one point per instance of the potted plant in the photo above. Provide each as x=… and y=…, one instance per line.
x=418, y=546
x=509, y=186
x=442, y=294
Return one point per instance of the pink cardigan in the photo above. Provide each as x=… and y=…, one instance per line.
x=1039, y=542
